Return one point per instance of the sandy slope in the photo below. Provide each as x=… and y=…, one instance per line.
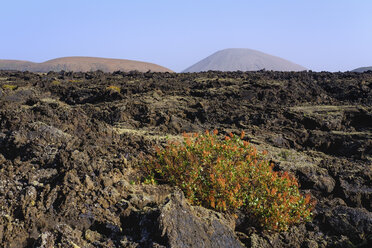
x=82, y=64
x=242, y=59
x=363, y=69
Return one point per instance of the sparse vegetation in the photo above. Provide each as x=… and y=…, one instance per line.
x=284, y=155
x=75, y=81
x=56, y=82
x=9, y=87
x=230, y=174
x=114, y=88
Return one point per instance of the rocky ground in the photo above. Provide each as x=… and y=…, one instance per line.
x=70, y=145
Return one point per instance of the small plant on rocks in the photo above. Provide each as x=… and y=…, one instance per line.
x=230, y=174
x=56, y=82
x=9, y=87
x=114, y=88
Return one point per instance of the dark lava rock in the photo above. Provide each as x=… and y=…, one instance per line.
x=185, y=226
x=70, y=152
x=177, y=224
x=355, y=223
x=316, y=178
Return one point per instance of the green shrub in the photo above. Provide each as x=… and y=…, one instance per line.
x=114, y=88
x=230, y=174
x=9, y=87
x=55, y=82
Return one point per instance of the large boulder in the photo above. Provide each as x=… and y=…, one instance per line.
x=178, y=224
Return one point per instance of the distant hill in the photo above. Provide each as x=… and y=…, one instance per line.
x=243, y=59
x=18, y=65
x=363, y=69
x=81, y=64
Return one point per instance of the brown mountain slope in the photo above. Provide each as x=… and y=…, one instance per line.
x=82, y=64
x=18, y=65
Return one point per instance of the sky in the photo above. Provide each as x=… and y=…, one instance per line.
x=322, y=35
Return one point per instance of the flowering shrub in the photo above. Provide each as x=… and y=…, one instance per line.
x=230, y=174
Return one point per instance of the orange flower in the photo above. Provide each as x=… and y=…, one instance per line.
x=221, y=181
x=242, y=135
x=237, y=188
x=273, y=191
x=285, y=175
x=212, y=177
x=215, y=131
x=224, y=205
x=213, y=203
x=307, y=198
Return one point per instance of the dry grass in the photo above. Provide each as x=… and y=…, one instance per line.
x=322, y=108
x=146, y=134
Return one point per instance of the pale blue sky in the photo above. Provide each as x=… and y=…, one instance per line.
x=332, y=35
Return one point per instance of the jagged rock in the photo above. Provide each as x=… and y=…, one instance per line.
x=64, y=179
x=177, y=224
x=353, y=221
x=187, y=226
x=316, y=178
x=356, y=195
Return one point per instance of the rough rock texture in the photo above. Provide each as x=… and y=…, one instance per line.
x=186, y=227
x=70, y=146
